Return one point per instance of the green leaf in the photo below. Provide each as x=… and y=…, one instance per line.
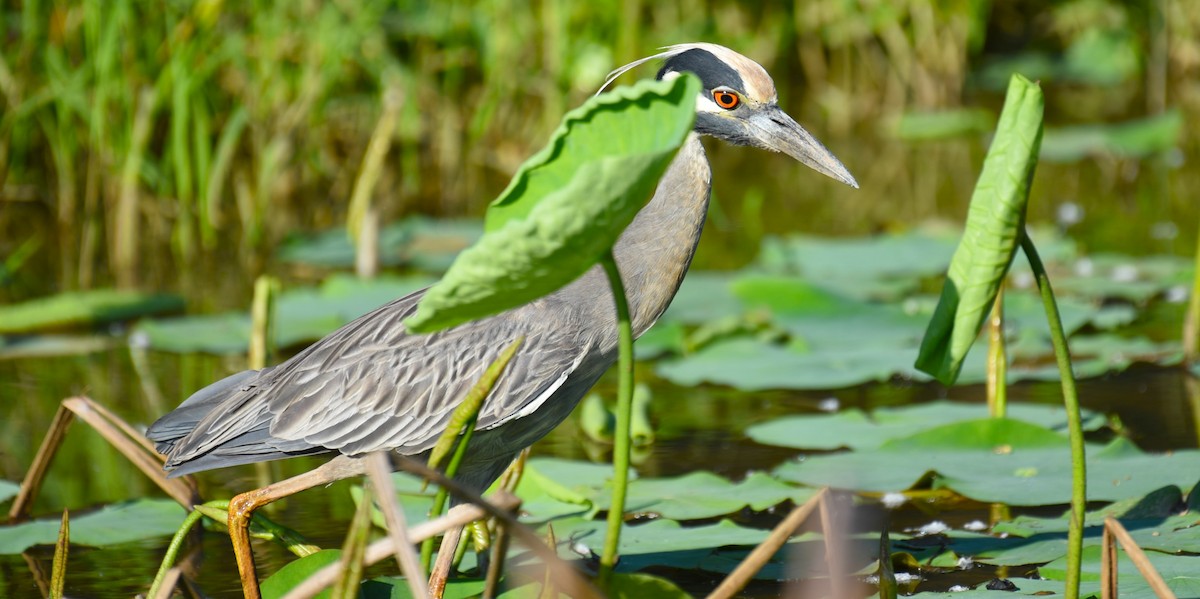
x=568, y=204
x=993, y=232
x=1178, y=571
x=750, y=365
x=1132, y=139
x=302, y=315
x=638, y=586
x=996, y=460
x=84, y=308
x=943, y=124
x=855, y=429
x=296, y=572
x=8, y=490
x=110, y=525
x=705, y=495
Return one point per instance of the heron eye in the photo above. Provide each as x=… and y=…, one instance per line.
x=726, y=99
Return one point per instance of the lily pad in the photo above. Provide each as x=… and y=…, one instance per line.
x=995, y=221
x=855, y=429
x=752, y=366
x=84, y=308
x=8, y=490
x=705, y=495
x=297, y=571
x=1131, y=139
x=302, y=315
x=1025, y=586
x=943, y=124
x=427, y=244
x=110, y=525
x=1179, y=572
x=882, y=267
x=995, y=460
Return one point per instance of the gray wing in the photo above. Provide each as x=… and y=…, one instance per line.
x=370, y=385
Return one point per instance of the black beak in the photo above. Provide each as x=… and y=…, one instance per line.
x=772, y=129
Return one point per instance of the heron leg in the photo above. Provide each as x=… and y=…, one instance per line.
x=242, y=507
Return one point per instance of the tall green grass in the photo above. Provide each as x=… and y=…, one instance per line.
x=146, y=129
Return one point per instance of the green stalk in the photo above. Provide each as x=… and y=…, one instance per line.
x=439, y=500
x=1074, y=422
x=621, y=441
x=997, y=361
x=1191, y=323
x=193, y=517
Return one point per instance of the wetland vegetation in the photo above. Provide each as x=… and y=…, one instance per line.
x=157, y=159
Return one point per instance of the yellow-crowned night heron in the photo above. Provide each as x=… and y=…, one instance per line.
x=373, y=386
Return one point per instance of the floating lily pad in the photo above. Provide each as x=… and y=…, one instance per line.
x=84, y=308
x=855, y=429
x=427, y=244
x=882, y=267
x=1179, y=572
x=705, y=495
x=297, y=571
x=8, y=490
x=110, y=525
x=995, y=460
x=752, y=366
x=302, y=315
x=1131, y=139
x=943, y=124
x=1025, y=587
x=42, y=346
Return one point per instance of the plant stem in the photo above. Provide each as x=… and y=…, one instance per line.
x=439, y=500
x=1191, y=322
x=1074, y=425
x=621, y=441
x=997, y=364
x=173, y=549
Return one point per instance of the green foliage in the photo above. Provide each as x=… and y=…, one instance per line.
x=297, y=571
x=567, y=204
x=84, y=308
x=8, y=490
x=1138, y=138
x=995, y=460
x=110, y=525
x=854, y=429
x=301, y=315
x=925, y=126
x=995, y=224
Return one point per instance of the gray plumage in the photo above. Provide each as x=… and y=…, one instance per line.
x=372, y=386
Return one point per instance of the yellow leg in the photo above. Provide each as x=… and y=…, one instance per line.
x=242, y=507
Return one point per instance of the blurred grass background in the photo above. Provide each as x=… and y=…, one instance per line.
x=172, y=145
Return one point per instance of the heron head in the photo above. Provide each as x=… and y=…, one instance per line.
x=738, y=103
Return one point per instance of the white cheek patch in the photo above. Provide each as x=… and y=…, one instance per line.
x=705, y=104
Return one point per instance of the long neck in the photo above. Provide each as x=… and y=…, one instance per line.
x=655, y=250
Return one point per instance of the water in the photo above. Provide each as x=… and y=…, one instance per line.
x=698, y=428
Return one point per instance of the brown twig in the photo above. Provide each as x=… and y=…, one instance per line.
x=758, y=558
x=1108, y=564
x=170, y=579
x=119, y=434
x=380, y=471
x=381, y=549
x=566, y=577
x=1139, y=559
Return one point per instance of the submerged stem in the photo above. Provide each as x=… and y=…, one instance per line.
x=621, y=441
x=1074, y=422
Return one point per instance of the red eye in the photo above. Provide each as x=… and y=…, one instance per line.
x=726, y=99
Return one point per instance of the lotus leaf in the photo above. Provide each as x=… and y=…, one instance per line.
x=110, y=525
x=855, y=429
